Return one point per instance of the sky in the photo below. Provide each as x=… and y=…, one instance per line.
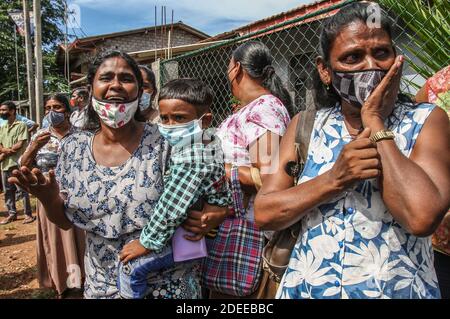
x=210, y=16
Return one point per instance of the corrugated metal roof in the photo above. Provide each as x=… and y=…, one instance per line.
x=276, y=19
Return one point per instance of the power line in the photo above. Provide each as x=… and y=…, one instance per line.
x=77, y=24
x=81, y=30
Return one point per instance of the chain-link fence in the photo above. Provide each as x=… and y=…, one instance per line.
x=294, y=45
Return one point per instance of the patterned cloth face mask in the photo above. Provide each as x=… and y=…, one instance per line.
x=180, y=135
x=115, y=115
x=355, y=87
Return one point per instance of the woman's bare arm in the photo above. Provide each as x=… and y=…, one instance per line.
x=279, y=204
x=416, y=190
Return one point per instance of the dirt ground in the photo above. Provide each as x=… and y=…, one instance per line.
x=18, y=258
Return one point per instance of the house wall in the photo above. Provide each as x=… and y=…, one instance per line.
x=146, y=41
x=133, y=43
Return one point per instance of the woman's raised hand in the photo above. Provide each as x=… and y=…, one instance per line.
x=41, y=140
x=34, y=182
x=382, y=100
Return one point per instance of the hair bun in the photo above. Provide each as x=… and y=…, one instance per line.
x=268, y=71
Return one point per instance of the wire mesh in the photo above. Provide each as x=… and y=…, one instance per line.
x=294, y=46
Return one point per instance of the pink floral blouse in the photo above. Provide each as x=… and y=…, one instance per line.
x=239, y=130
x=438, y=88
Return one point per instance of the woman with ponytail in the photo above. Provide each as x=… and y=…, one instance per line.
x=250, y=136
x=264, y=112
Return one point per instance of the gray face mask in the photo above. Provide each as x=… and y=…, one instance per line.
x=146, y=101
x=356, y=87
x=55, y=118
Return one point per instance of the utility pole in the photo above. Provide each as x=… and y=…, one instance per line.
x=29, y=57
x=38, y=57
x=66, y=53
x=17, y=65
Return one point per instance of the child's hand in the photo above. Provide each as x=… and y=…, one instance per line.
x=132, y=250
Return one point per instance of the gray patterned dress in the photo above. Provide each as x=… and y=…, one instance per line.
x=113, y=204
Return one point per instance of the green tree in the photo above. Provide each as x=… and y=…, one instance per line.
x=52, y=20
x=429, y=22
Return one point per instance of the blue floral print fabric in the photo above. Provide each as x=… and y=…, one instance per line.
x=350, y=246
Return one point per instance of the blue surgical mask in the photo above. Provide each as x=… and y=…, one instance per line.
x=55, y=118
x=145, y=102
x=180, y=135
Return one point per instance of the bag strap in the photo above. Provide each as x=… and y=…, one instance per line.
x=236, y=192
x=303, y=134
x=302, y=138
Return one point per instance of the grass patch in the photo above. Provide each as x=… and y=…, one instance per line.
x=43, y=294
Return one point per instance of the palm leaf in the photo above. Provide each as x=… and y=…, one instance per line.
x=429, y=32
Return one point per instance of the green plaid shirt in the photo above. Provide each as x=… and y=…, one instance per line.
x=196, y=172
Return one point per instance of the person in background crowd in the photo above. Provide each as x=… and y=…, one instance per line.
x=13, y=139
x=148, y=107
x=259, y=121
x=437, y=90
x=79, y=102
x=31, y=125
x=59, y=252
x=108, y=182
x=375, y=184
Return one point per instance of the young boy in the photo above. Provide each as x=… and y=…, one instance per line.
x=196, y=173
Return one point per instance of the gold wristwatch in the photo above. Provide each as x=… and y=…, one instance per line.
x=382, y=135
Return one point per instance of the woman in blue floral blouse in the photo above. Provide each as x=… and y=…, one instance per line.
x=109, y=181
x=376, y=180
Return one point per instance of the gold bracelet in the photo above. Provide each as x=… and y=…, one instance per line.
x=256, y=177
x=382, y=135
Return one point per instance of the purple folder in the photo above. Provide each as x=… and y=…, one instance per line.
x=184, y=249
